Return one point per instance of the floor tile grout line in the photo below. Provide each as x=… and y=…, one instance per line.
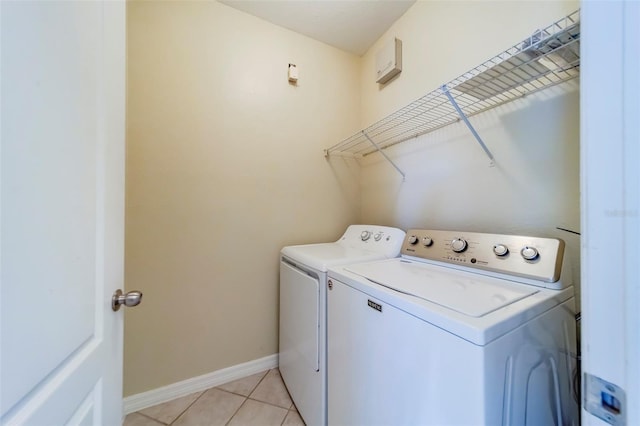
x=189, y=406
x=151, y=418
x=246, y=397
x=236, y=412
x=261, y=402
x=285, y=388
x=261, y=380
x=284, y=419
x=268, y=403
x=239, y=394
x=287, y=415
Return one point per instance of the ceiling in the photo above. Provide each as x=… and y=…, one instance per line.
x=350, y=25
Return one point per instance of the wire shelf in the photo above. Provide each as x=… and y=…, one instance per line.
x=549, y=57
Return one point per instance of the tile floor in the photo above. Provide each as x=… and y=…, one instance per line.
x=260, y=400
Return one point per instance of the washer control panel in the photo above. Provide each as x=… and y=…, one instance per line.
x=380, y=239
x=532, y=258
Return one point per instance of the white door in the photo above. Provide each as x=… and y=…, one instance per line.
x=610, y=150
x=62, y=207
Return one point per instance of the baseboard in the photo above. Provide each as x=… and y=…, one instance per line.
x=196, y=384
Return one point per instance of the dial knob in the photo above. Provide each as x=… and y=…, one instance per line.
x=500, y=250
x=458, y=245
x=365, y=235
x=413, y=240
x=378, y=236
x=427, y=241
x=529, y=253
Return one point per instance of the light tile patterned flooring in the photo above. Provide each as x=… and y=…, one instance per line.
x=260, y=400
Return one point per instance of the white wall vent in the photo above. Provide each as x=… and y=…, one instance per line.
x=389, y=61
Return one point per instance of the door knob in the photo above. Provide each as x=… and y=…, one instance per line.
x=132, y=298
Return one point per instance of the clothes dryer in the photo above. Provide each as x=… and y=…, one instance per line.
x=303, y=278
x=463, y=329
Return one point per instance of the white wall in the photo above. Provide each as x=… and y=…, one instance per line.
x=225, y=166
x=534, y=185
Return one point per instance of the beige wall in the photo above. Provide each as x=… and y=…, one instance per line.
x=534, y=185
x=224, y=167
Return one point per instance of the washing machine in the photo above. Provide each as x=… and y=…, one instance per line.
x=303, y=278
x=463, y=328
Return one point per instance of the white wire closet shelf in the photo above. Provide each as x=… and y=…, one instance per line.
x=549, y=57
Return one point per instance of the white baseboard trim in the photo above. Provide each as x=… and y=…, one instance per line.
x=153, y=397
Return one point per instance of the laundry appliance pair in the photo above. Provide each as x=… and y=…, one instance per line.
x=463, y=328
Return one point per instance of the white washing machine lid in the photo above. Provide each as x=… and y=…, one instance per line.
x=469, y=294
x=322, y=256
x=442, y=308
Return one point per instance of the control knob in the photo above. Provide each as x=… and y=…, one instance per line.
x=458, y=245
x=378, y=236
x=500, y=250
x=365, y=235
x=529, y=253
x=427, y=241
x=413, y=240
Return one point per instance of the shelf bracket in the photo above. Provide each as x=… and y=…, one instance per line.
x=383, y=154
x=464, y=118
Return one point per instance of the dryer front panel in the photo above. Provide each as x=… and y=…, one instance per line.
x=299, y=316
x=300, y=345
